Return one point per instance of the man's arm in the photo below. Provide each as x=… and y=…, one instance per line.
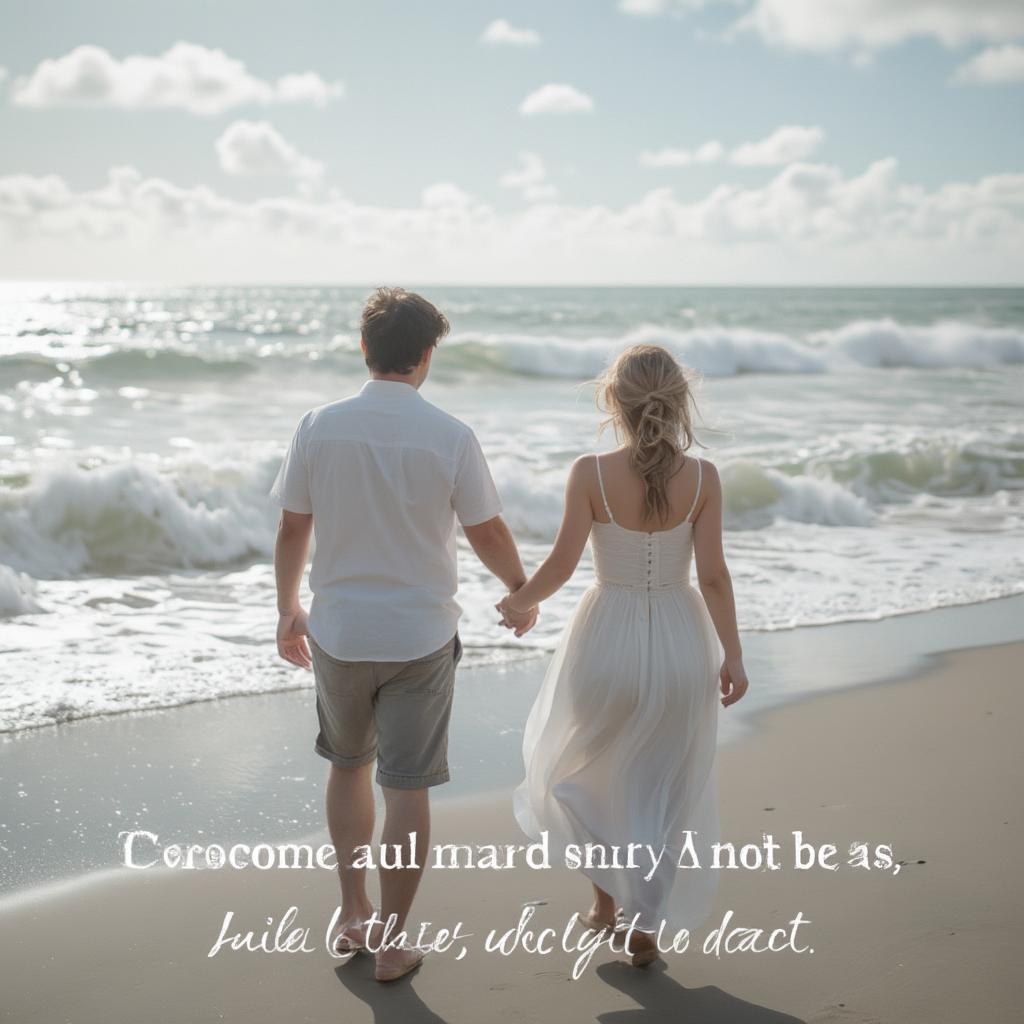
x=477, y=505
x=495, y=547
x=290, y=553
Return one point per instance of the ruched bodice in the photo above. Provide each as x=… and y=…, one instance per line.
x=643, y=561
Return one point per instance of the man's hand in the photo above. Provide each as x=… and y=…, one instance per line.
x=291, y=638
x=520, y=622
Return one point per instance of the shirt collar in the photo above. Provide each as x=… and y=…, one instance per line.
x=389, y=388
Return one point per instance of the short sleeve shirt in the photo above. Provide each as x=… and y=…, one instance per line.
x=385, y=475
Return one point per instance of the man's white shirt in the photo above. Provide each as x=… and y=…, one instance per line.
x=384, y=474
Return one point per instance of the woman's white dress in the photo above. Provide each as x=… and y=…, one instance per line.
x=620, y=744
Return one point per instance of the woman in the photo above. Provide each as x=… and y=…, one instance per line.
x=620, y=744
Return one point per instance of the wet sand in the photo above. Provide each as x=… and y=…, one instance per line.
x=928, y=765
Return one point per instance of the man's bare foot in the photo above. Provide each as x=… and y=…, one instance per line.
x=396, y=962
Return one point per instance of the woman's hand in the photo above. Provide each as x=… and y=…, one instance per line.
x=520, y=622
x=733, y=681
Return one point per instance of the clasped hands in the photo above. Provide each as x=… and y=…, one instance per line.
x=519, y=622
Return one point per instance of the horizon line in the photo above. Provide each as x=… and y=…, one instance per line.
x=256, y=283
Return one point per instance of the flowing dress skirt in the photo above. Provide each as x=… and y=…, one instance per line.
x=620, y=744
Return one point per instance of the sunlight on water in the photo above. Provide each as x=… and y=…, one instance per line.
x=869, y=441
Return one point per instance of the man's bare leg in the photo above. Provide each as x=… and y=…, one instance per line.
x=350, y=817
x=407, y=812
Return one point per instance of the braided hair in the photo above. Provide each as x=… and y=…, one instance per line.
x=648, y=398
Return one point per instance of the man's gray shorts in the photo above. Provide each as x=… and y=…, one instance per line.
x=394, y=711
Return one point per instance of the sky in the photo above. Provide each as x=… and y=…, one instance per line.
x=521, y=142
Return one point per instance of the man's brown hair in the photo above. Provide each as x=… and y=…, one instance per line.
x=398, y=327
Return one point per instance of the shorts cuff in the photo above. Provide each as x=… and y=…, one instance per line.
x=345, y=762
x=411, y=781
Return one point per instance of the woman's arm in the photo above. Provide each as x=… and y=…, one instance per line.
x=716, y=585
x=559, y=566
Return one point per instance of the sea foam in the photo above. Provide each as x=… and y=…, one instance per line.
x=208, y=508
x=714, y=351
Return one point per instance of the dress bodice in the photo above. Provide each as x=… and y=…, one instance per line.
x=645, y=561
x=641, y=560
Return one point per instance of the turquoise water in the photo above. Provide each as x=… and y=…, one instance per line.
x=869, y=440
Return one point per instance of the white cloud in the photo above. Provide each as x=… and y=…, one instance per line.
x=808, y=221
x=643, y=7
x=707, y=153
x=530, y=178
x=306, y=87
x=649, y=8
x=501, y=33
x=3, y=74
x=784, y=146
x=446, y=196
x=873, y=24
x=188, y=77
x=556, y=98
x=23, y=197
x=994, y=64
x=257, y=148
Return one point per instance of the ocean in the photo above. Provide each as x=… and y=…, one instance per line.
x=870, y=442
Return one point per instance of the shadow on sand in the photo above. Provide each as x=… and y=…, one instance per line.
x=661, y=998
x=393, y=1003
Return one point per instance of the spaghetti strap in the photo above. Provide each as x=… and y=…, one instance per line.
x=700, y=468
x=604, y=497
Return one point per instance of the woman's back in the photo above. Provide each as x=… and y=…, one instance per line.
x=618, y=493
x=642, y=559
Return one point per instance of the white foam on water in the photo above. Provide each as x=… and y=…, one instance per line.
x=732, y=351
x=873, y=463
x=712, y=350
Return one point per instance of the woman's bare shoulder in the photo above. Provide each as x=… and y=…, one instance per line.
x=708, y=470
x=582, y=472
x=583, y=466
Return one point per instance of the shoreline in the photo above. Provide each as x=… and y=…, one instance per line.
x=754, y=638
x=69, y=799
x=932, y=943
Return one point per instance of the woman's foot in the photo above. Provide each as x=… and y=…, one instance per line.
x=642, y=949
x=602, y=912
x=350, y=935
x=398, y=961
x=598, y=918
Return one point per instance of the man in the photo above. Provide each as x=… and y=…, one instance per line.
x=384, y=475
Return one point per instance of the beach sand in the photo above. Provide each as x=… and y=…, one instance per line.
x=929, y=765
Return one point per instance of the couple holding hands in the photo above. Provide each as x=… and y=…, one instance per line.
x=619, y=746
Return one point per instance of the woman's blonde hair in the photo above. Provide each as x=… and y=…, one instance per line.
x=647, y=395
